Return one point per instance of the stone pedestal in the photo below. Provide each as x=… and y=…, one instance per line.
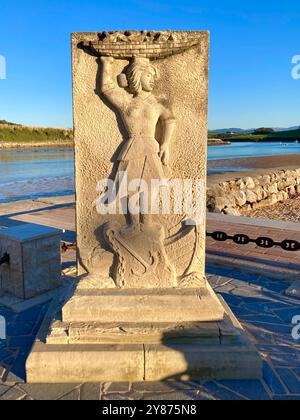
x=143, y=310
x=123, y=350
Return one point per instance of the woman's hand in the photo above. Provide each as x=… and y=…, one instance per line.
x=164, y=154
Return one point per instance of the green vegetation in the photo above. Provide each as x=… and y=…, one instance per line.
x=281, y=136
x=217, y=142
x=7, y=123
x=13, y=135
x=264, y=130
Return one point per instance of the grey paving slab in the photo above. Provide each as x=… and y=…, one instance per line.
x=48, y=391
x=290, y=379
x=119, y=397
x=116, y=387
x=165, y=387
x=90, y=392
x=13, y=394
x=273, y=380
x=221, y=393
x=71, y=396
x=3, y=389
x=192, y=395
x=253, y=390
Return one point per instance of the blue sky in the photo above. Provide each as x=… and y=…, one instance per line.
x=252, y=45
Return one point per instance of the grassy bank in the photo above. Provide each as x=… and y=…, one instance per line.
x=17, y=136
x=217, y=142
x=282, y=136
x=14, y=136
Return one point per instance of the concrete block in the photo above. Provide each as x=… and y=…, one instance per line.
x=34, y=260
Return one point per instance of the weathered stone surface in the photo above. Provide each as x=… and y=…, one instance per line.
x=238, y=357
x=251, y=197
x=249, y=182
x=231, y=357
x=76, y=363
x=137, y=333
x=165, y=305
x=259, y=192
x=101, y=97
x=240, y=198
x=192, y=361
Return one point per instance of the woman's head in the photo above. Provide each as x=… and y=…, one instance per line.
x=141, y=76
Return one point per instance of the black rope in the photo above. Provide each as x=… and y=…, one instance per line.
x=262, y=242
x=5, y=259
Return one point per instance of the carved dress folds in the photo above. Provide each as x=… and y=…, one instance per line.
x=139, y=156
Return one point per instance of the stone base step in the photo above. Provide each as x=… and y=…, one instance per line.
x=143, y=306
x=137, y=362
x=205, y=333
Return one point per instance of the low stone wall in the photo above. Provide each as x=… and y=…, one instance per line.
x=235, y=197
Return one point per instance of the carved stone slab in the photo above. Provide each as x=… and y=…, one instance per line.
x=141, y=106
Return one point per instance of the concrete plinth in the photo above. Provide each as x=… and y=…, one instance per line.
x=159, y=305
x=81, y=352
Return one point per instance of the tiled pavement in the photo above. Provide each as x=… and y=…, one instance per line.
x=260, y=304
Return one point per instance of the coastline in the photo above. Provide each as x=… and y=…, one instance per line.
x=35, y=145
x=259, y=165
x=237, y=168
x=56, y=145
x=259, y=161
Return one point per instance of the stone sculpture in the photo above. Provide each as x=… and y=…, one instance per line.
x=142, y=309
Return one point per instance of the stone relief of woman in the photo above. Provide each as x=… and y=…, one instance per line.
x=142, y=157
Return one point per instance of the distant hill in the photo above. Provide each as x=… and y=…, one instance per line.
x=249, y=130
x=287, y=129
x=18, y=136
x=3, y=122
x=280, y=136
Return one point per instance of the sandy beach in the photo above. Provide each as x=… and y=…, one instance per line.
x=260, y=161
x=257, y=166
x=288, y=211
